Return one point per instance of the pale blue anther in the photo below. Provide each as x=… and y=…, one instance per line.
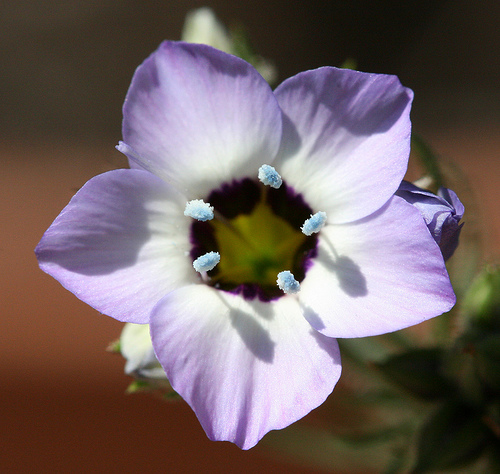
x=314, y=224
x=287, y=282
x=206, y=262
x=200, y=210
x=269, y=176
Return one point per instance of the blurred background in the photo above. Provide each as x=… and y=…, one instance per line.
x=65, y=68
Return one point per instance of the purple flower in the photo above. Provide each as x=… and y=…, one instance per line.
x=199, y=124
x=441, y=212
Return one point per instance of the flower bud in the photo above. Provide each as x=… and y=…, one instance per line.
x=203, y=27
x=137, y=348
x=441, y=213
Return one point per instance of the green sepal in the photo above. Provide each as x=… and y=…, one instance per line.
x=419, y=372
x=243, y=48
x=428, y=160
x=172, y=396
x=114, y=347
x=139, y=386
x=241, y=42
x=453, y=436
x=160, y=388
x=350, y=63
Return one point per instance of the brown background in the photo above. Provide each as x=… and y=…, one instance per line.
x=65, y=68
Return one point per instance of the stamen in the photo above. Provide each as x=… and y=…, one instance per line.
x=287, y=282
x=269, y=176
x=314, y=224
x=200, y=210
x=206, y=262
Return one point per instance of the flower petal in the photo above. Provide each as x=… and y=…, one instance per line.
x=244, y=367
x=197, y=117
x=377, y=275
x=120, y=244
x=346, y=139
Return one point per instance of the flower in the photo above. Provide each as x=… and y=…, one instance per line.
x=198, y=125
x=441, y=212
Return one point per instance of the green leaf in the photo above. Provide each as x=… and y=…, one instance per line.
x=493, y=457
x=487, y=356
x=453, y=436
x=419, y=372
x=460, y=365
x=364, y=350
x=320, y=449
x=377, y=437
x=482, y=301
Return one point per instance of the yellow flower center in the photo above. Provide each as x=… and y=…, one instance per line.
x=256, y=247
x=257, y=233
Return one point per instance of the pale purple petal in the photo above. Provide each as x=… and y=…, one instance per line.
x=346, y=139
x=120, y=244
x=244, y=368
x=377, y=275
x=197, y=117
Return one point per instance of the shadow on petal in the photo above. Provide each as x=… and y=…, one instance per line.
x=387, y=101
x=255, y=337
x=290, y=143
x=329, y=345
x=96, y=238
x=312, y=318
x=351, y=279
x=387, y=114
